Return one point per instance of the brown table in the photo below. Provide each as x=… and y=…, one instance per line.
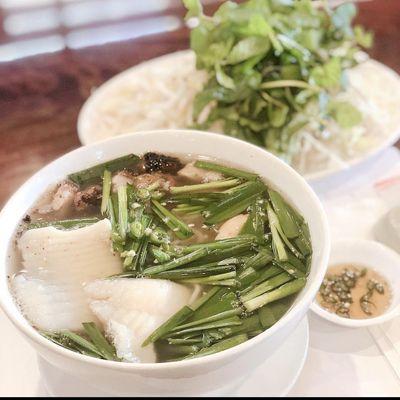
x=40, y=96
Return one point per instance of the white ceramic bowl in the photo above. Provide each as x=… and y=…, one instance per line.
x=192, y=377
x=371, y=254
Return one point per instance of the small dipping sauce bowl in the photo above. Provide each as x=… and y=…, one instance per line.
x=372, y=255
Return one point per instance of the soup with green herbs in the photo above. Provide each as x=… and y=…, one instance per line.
x=158, y=258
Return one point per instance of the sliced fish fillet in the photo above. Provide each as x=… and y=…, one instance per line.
x=56, y=265
x=131, y=309
x=232, y=227
x=199, y=175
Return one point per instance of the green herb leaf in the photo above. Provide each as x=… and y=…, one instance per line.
x=344, y=113
x=194, y=8
x=364, y=38
x=328, y=75
x=247, y=48
x=223, y=79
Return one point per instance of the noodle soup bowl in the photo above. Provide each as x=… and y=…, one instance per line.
x=199, y=376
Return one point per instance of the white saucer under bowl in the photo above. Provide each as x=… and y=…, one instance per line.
x=286, y=364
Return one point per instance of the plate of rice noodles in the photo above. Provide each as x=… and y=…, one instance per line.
x=292, y=77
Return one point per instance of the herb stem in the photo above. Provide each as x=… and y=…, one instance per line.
x=226, y=183
x=106, y=191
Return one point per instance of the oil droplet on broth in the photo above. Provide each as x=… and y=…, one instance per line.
x=339, y=295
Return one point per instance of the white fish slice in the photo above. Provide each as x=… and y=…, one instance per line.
x=51, y=307
x=199, y=175
x=232, y=227
x=57, y=263
x=131, y=309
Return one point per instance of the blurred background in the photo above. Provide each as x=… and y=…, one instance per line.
x=54, y=52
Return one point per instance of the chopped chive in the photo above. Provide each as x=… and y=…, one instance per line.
x=250, y=324
x=224, y=279
x=290, y=269
x=101, y=343
x=160, y=255
x=260, y=260
x=64, y=224
x=204, y=299
x=295, y=262
x=233, y=204
x=195, y=272
x=255, y=222
x=277, y=243
x=223, y=299
x=195, y=197
x=184, y=341
x=220, y=346
x=186, y=259
x=227, y=255
x=125, y=274
x=111, y=213
x=171, y=352
x=97, y=346
x=193, y=202
x=283, y=291
x=188, y=209
x=213, y=278
x=159, y=236
x=285, y=215
x=303, y=242
x=235, y=189
x=136, y=229
x=62, y=340
x=181, y=316
x=81, y=342
x=226, y=183
x=273, y=312
x=220, y=244
x=252, y=277
x=212, y=318
x=230, y=321
x=114, y=199
x=227, y=171
x=129, y=255
x=96, y=172
x=171, y=323
x=180, y=228
x=143, y=244
x=225, y=282
x=106, y=191
x=267, y=286
x=287, y=242
x=122, y=211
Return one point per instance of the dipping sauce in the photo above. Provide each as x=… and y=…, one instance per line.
x=353, y=291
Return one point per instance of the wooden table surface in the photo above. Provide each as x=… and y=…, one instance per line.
x=40, y=96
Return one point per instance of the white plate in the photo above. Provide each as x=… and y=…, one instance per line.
x=274, y=378
x=153, y=75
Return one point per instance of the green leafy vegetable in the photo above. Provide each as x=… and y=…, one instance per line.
x=268, y=64
x=344, y=113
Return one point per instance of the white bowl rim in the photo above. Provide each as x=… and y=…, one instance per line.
x=25, y=327
x=314, y=176
x=360, y=323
